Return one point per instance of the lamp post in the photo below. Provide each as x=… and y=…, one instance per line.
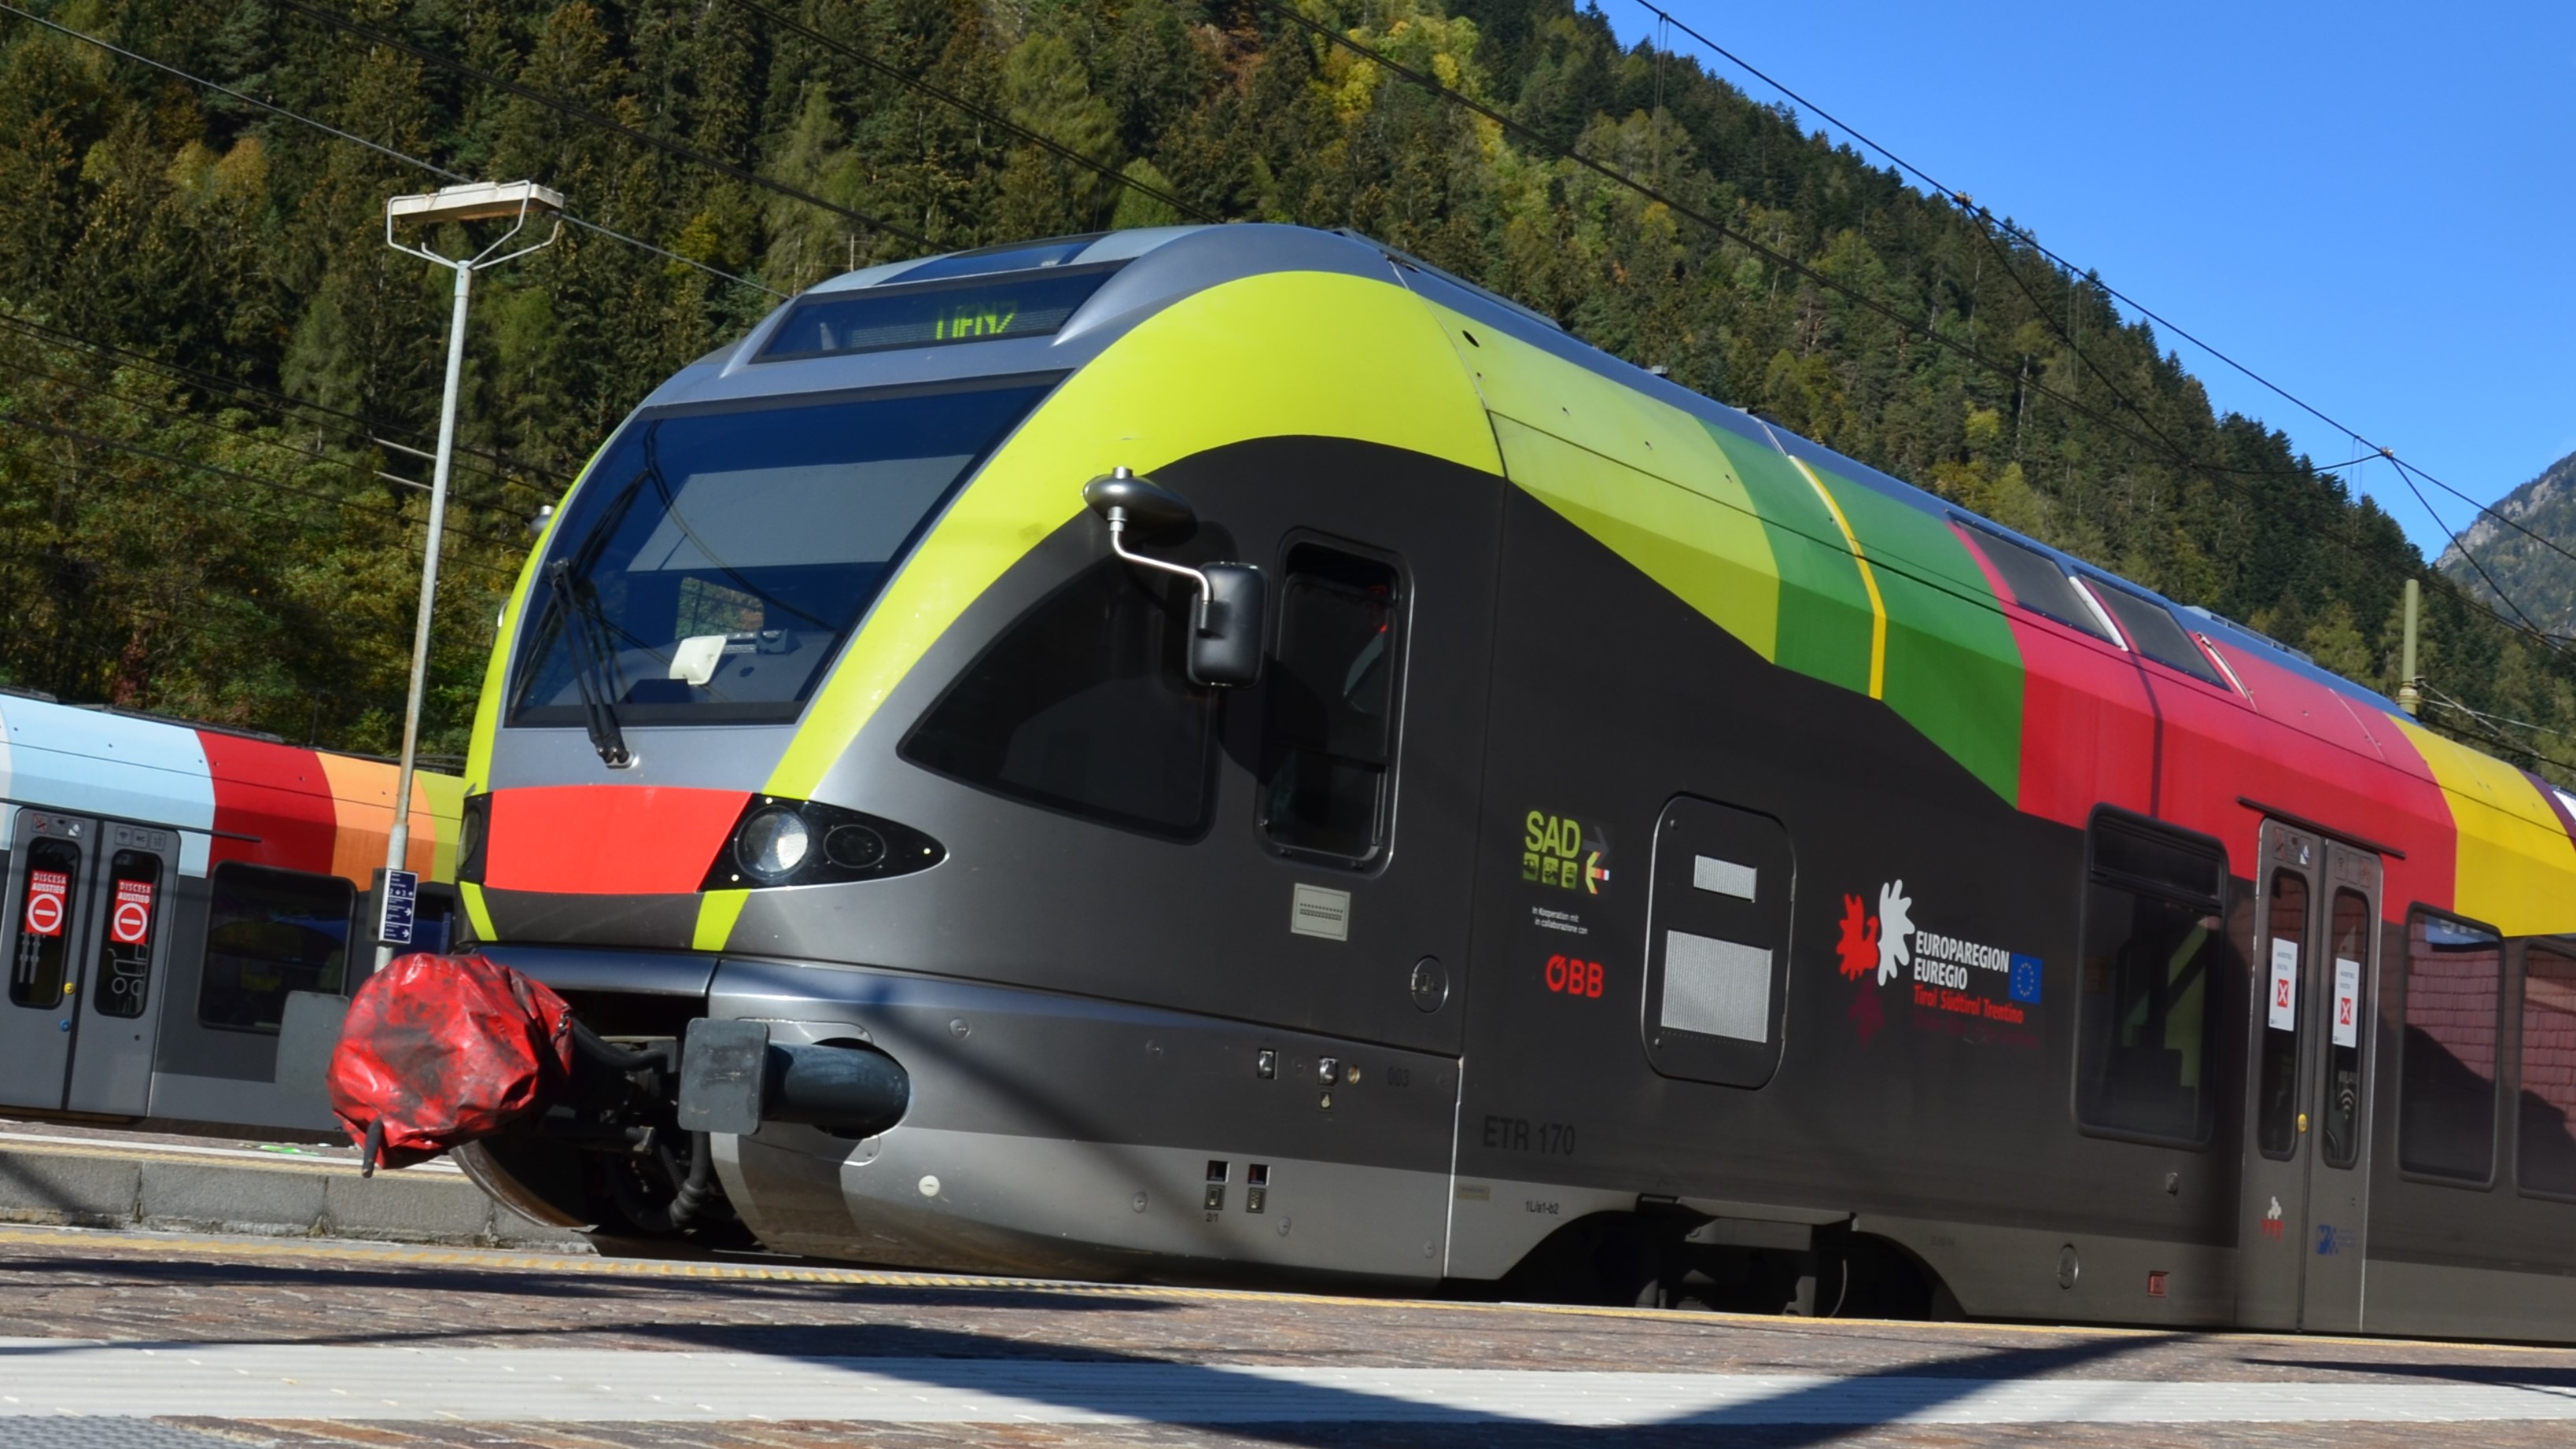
x=479, y=201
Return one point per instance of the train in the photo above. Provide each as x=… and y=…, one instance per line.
x=1267, y=762
x=187, y=908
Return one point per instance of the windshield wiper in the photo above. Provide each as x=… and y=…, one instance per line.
x=577, y=609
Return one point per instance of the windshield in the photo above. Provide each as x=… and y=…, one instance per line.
x=717, y=558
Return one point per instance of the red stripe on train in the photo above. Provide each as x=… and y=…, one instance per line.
x=276, y=794
x=606, y=840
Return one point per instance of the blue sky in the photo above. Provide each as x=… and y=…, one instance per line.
x=2372, y=204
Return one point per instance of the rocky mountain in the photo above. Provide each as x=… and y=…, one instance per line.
x=2538, y=578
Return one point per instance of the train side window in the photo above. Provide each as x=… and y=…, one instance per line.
x=2545, y=1156
x=434, y=920
x=1085, y=706
x=2037, y=583
x=269, y=932
x=2152, y=628
x=2153, y=927
x=2284, y=958
x=2347, y=1017
x=2446, y=1092
x=134, y=912
x=52, y=868
x=1334, y=688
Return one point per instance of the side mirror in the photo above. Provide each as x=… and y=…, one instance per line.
x=1225, y=638
x=1229, y=608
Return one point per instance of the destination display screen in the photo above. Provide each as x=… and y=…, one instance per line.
x=971, y=309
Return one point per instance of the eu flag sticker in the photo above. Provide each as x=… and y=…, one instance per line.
x=2025, y=979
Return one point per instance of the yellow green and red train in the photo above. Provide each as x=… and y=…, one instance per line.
x=1658, y=860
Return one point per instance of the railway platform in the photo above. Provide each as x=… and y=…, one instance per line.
x=55, y=1174
x=195, y=1341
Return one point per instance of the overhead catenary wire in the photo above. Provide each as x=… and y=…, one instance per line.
x=2488, y=725
x=1979, y=219
x=175, y=460
x=378, y=147
x=1966, y=201
x=236, y=475
x=474, y=459
x=589, y=117
x=2005, y=260
x=80, y=469
x=2219, y=472
x=963, y=106
x=209, y=425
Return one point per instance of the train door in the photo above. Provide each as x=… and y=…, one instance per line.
x=120, y=1004
x=2344, y=976
x=2308, y=1094
x=2271, y=1267
x=86, y=906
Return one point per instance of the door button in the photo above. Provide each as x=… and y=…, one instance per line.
x=2303, y=1121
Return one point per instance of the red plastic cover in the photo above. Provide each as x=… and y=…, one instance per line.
x=441, y=1050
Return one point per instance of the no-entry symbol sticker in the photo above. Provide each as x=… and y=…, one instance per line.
x=46, y=890
x=130, y=924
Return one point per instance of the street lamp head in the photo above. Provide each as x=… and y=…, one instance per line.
x=475, y=201
x=510, y=201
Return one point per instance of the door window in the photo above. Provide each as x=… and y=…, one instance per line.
x=2151, y=932
x=2347, y=1017
x=2285, y=941
x=2545, y=1159
x=1333, y=697
x=47, y=886
x=2447, y=1081
x=270, y=932
x=125, y=949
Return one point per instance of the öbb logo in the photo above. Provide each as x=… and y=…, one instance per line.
x=1574, y=978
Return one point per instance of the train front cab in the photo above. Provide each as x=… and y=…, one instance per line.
x=1185, y=985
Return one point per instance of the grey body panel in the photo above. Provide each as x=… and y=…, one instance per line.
x=580, y=968
x=699, y=758
x=1071, y=912
x=1041, y=1120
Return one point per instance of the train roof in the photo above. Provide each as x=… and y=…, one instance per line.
x=1154, y=267
x=229, y=794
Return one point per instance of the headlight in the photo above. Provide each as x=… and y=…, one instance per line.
x=772, y=844
x=854, y=847
x=778, y=841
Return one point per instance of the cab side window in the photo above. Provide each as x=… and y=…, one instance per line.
x=270, y=932
x=1335, y=686
x=1085, y=706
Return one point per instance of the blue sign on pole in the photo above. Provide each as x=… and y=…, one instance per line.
x=402, y=898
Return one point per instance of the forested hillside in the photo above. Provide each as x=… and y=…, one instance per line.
x=2529, y=553
x=218, y=377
